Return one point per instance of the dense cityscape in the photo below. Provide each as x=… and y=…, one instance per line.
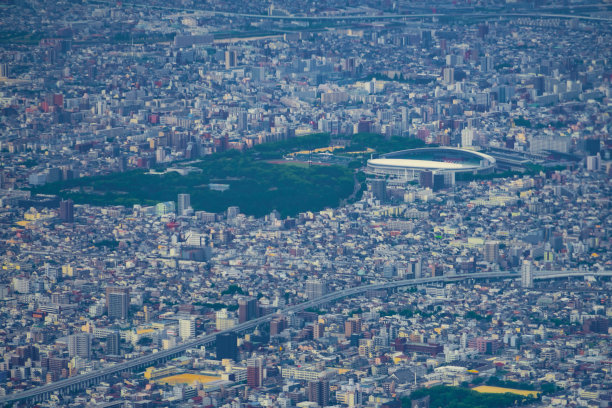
x=381, y=204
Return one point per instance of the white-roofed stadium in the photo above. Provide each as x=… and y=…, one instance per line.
x=408, y=164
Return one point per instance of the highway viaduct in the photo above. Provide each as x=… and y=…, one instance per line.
x=83, y=381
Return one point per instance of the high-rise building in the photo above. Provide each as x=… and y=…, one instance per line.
x=315, y=288
x=247, y=309
x=160, y=155
x=113, y=341
x=426, y=179
x=277, y=325
x=230, y=59
x=318, y=330
x=352, y=326
x=449, y=75
x=147, y=313
x=117, y=302
x=379, y=189
x=243, y=120
x=225, y=320
x=255, y=372
x=187, y=328
x=426, y=39
x=415, y=268
x=318, y=391
x=491, y=251
x=227, y=346
x=66, y=211
x=527, y=274
x=4, y=70
x=232, y=212
x=79, y=345
x=258, y=73
x=184, y=203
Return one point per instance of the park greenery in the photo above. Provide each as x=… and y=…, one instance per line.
x=256, y=187
x=457, y=397
x=257, y=184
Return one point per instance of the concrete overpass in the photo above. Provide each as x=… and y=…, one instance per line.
x=371, y=17
x=84, y=381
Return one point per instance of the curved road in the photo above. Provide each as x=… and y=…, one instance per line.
x=88, y=379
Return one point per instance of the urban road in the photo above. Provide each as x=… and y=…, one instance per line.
x=83, y=381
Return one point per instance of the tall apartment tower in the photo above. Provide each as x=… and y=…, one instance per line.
x=318, y=391
x=184, y=203
x=255, y=372
x=66, y=211
x=230, y=59
x=79, y=345
x=113, y=342
x=491, y=251
x=315, y=288
x=118, y=302
x=187, y=328
x=352, y=326
x=247, y=309
x=527, y=274
x=379, y=189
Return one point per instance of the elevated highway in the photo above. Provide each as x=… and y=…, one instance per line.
x=84, y=381
x=371, y=17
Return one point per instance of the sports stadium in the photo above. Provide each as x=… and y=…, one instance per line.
x=408, y=164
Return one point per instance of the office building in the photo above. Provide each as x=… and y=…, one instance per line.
x=66, y=211
x=247, y=309
x=79, y=345
x=227, y=346
x=117, y=302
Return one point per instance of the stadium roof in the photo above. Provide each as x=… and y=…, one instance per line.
x=420, y=164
